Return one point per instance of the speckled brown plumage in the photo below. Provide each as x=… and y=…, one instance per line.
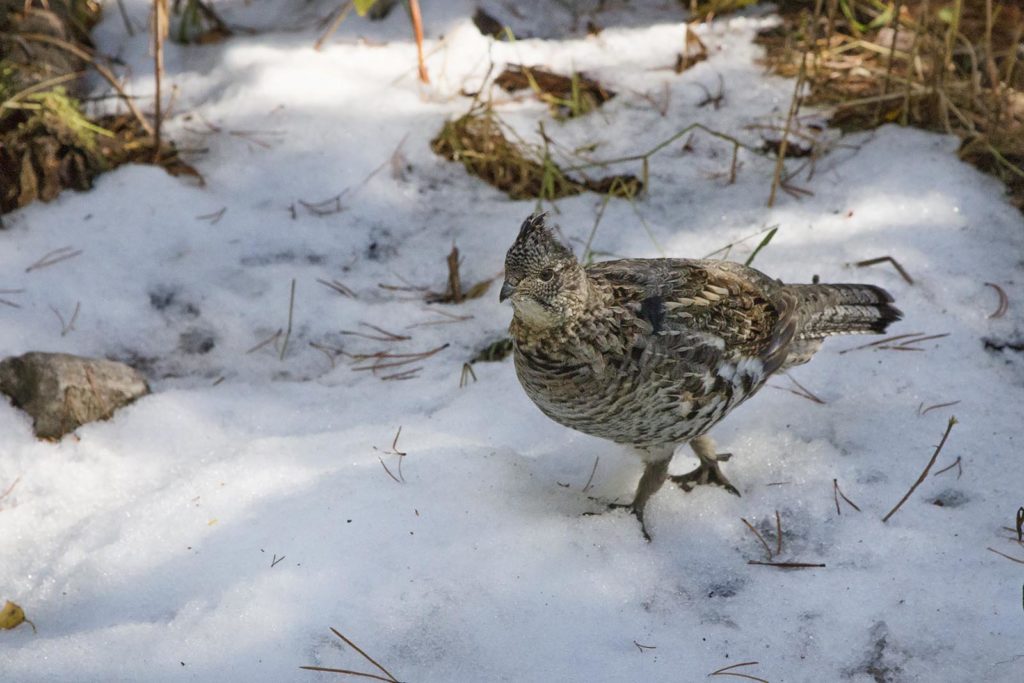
x=653, y=352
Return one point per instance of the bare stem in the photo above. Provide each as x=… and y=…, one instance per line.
x=924, y=474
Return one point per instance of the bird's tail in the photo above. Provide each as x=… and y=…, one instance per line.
x=825, y=310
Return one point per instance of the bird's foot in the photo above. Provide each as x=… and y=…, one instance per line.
x=637, y=512
x=652, y=479
x=708, y=472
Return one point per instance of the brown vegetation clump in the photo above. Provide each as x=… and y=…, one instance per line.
x=522, y=171
x=568, y=96
x=952, y=68
x=47, y=143
x=477, y=142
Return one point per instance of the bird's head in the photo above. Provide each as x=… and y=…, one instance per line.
x=542, y=278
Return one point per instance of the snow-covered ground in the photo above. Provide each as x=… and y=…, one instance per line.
x=216, y=529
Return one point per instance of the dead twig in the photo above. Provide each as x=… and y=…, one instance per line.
x=764, y=543
x=161, y=26
x=454, y=280
x=921, y=410
x=593, y=471
x=921, y=339
x=1009, y=557
x=794, y=107
x=55, y=256
x=338, y=287
x=331, y=352
x=384, y=335
x=909, y=338
x=10, y=488
x=778, y=534
x=787, y=565
x=67, y=327
x=467, y=373
x=1004, y=301
x=728, y=671
x=394, y=443
x=394, y=451
x=454, y=293
x=714, y=100
x=382, y=464
x=406, y=374
x=402, y=288
x=956, y=464
x=288, y=330
x=448, y=319
x=339, y=17
x=887, y=259
x=837, y=493
x=348, y=672
x=214, y=217
x=402, y=358
x=250, y=137
x=662, y=103
x=124, y=17
x=801, y=390
x=794, y=190
x=271, y=339
x=325, y=207
x=644, y=648
x=390, y=677
x=417, y=28
x=924, y=473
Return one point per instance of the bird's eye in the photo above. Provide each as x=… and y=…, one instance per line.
x=547, y=274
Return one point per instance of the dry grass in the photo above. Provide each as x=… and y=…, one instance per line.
x=568, y=96
x=478, y=141
x=455, y=293
x=47, y=143
x=951, y=68
x=495, y=351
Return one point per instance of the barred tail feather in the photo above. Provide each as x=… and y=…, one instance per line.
x=825, y=310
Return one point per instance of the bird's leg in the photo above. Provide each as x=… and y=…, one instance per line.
x=708, y=471
x=653, y=477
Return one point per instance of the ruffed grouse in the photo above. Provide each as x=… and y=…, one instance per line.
x=652, y=353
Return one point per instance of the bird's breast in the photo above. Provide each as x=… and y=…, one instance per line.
x=634, y=395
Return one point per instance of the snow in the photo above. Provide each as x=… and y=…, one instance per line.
x=215, y=529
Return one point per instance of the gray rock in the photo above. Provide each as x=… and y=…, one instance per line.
x=62, y=392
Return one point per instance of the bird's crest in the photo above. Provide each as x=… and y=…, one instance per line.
x=536, y=241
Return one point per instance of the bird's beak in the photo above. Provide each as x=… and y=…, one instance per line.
x=506, y=290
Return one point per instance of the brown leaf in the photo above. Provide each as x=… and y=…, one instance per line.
x=29, y=185
x=12, y=616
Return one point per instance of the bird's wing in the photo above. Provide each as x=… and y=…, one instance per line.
x=718, y=310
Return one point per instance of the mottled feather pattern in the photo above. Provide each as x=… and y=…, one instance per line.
x=843, y=309
x=655, y=351
x=659, y=351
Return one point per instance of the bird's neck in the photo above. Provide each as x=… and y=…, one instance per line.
x=531, y=321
